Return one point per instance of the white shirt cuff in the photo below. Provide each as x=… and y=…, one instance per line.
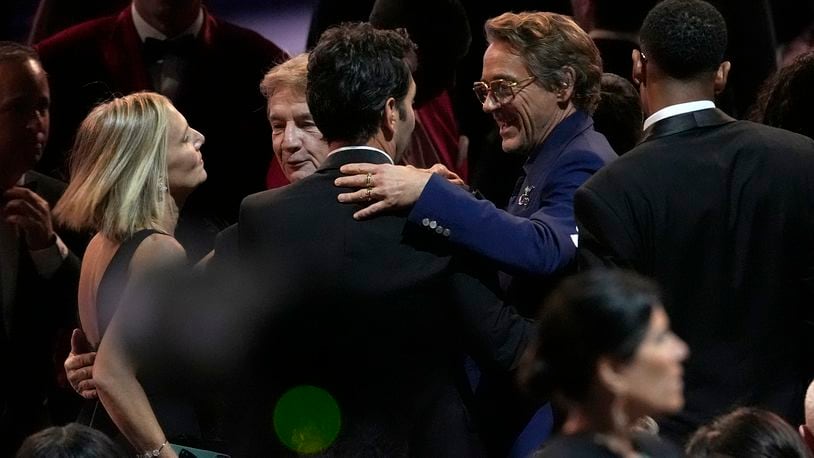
x=48, y=260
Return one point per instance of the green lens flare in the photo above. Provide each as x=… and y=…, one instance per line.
x=307, y=419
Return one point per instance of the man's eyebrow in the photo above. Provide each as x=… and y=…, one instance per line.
x=500, y=76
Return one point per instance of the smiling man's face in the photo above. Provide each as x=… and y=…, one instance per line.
x=525, y=121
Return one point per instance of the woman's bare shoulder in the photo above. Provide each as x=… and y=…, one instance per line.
x=157, y=250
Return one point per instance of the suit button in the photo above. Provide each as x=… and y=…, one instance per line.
x=425, y=222
x=446, y=232
x=433, y=224
x=439, y=229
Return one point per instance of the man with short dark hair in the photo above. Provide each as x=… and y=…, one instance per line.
x=721, y=213
x=377, y=313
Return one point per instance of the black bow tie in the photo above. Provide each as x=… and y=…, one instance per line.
x=155, y=50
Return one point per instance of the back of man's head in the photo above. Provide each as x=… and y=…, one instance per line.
x=353, y=70
x=684, y=38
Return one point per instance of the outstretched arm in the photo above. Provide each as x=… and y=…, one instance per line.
x=540, y=242
x=387, y=187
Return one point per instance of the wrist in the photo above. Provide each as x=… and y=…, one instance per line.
x=154, y=452
x=41, y=243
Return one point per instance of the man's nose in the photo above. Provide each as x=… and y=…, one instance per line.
x=490, y=104
x=291, y=136
x=37, y=121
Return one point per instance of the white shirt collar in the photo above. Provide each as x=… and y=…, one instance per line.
x=675, y=110
x=145, y=30
x=389, y=159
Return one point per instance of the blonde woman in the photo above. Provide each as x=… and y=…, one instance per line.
x=134, y=163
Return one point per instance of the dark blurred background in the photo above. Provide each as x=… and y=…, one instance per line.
x=285, y=22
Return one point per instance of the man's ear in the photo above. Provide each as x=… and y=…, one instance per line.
x=566, y=84
x=390, y=117
x=721, y=76
x=638, y=72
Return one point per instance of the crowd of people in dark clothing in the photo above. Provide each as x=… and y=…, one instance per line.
x=605, y=247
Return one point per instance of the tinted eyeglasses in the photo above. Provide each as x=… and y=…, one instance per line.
x=503, y=91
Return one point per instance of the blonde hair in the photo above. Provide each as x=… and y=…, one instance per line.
x=119, y=168
x=291, y=74
x=548, y=42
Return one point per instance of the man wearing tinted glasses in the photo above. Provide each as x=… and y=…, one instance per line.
x=540, y=83
x=541, y=76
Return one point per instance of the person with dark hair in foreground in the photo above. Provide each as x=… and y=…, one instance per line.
x=70, y=441
x=720, y=213
x=747, y=433
x=606, y=357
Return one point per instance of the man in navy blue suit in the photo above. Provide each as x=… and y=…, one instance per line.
x=541, y=77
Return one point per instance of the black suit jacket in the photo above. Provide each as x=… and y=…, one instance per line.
x=376, y=313
x=721, y=213
x=41, y=306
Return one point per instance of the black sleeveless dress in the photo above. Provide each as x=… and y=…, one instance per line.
x=177, y=417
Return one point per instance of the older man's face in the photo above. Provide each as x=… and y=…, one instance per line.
x=24, y=119
x=297, y=143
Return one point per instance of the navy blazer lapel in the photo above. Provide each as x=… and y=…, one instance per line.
x=683, y=122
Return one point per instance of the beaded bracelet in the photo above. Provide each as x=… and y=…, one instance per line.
x=153, y=453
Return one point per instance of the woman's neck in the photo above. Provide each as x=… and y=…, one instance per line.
x=602, y=427
x=169, y=218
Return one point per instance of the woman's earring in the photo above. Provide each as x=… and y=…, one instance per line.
x=162, y=185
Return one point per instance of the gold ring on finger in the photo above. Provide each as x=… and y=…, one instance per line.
x=368, y=180
x=368, y=195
